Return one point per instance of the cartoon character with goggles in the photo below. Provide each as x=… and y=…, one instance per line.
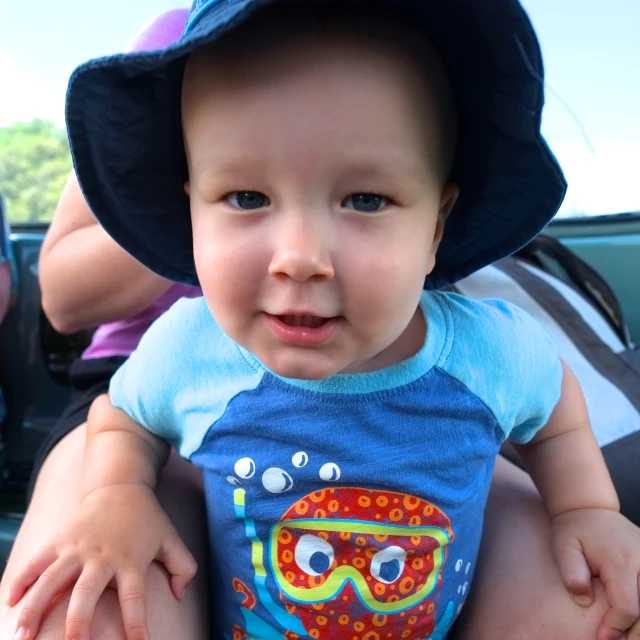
x=350, y=560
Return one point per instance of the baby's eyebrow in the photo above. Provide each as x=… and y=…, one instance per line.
x=395, y=168
x=228, y=165
x=368, y=164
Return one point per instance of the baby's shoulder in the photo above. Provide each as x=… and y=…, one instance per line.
x=187, y=339
x=185, y=319
x=505, y=358
x=489, y=323
x=182, y=376
x=187, y=326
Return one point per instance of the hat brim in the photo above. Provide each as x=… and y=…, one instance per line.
x=123, y=120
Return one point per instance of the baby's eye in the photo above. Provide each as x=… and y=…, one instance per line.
x=248, y=200
x=365, y=202
x=314, y=555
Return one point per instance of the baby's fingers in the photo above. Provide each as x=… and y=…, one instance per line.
x=54, y=580
x=179, y=562
x=132, y=596
x=624, y=607
x=84, y=598
x=574, y=570
x=41, y=561
x=634, y=632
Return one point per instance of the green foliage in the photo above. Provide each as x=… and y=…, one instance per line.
x=34, y=165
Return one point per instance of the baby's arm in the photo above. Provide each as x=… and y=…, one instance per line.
x=120, y=529
x=589, y=535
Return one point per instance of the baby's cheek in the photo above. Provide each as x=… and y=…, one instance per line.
x=226, y=263
x=388, y=290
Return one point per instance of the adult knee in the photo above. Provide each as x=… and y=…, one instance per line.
x=552, y=615
x=106, y=624
x=558, y=617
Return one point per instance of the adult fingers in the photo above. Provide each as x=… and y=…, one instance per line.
x=84, y=598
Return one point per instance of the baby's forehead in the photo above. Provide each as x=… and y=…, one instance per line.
x=284, y=40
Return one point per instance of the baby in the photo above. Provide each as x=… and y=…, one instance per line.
x=342, y=162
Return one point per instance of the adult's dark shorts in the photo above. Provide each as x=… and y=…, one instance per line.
x=89, y=379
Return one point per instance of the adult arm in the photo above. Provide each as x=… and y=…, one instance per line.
x=87, y=279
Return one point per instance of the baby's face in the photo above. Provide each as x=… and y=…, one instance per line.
x=317, y=204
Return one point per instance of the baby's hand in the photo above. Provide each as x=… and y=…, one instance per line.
x=604, y=544
x=118, y=532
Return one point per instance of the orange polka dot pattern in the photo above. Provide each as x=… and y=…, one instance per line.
x=346, y=616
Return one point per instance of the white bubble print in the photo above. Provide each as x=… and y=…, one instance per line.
x=459, y=588
x=233, y=480
x=300, y=459
x=330, y=472
x=277, y=480
x=466, y=571
x=245, y=468
x=465, y=586
x=459, y=565
x=459, y=609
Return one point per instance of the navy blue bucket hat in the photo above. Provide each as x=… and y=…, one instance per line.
x=123, y=119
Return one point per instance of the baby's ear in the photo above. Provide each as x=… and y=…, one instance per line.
x=187, y=188
x=449, y=197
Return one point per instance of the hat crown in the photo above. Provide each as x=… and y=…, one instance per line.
x=199, y=8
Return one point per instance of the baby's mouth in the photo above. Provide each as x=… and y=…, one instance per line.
x=302, y=329
x=309, y=322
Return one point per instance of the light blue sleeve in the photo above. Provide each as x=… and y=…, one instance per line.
x=182, y=376
x=504, y=356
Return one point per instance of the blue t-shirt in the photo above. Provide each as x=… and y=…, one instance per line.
x=351, y=506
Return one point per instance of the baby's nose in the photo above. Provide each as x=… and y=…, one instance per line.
x=302, y=254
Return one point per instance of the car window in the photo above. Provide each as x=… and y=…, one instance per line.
x=590, y=47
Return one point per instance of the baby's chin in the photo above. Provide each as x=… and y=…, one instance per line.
x=302, y=365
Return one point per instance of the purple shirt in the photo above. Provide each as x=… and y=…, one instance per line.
x=162, y=31
x=121, y=338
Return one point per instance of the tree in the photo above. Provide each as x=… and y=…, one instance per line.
x=34, y=165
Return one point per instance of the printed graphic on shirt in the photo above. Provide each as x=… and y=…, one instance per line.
x=347, y=561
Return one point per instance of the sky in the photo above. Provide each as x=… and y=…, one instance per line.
x=591, y=50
